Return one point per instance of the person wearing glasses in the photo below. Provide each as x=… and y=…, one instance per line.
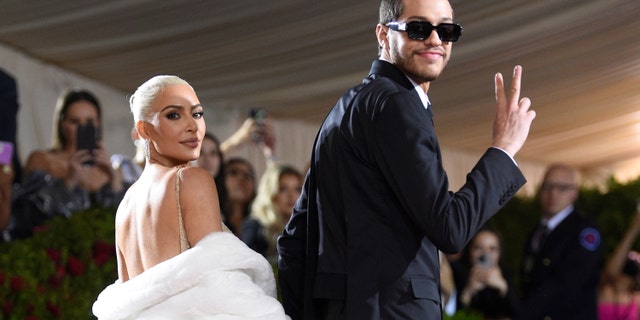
x=563, y=256
x=375, y=208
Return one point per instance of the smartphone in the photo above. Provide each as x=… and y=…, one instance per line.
x=258, y=115
x=485, y=261
x=6, y=153
x=86, y=137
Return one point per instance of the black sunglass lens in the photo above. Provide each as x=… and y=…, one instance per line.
x=447, y=32
x=420, y=30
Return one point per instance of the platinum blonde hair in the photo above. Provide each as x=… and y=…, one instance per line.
x=141, y=100
x=263, y=208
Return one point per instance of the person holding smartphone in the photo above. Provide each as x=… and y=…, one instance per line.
x=75, y=173
x=481, y=280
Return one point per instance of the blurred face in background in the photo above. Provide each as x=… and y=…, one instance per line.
x=289, y=189
x=487, y=244
x=79, y=113
x=240, y=182
x=210, y=157
x=558, y=190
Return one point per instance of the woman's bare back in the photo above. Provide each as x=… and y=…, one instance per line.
x=147, y=221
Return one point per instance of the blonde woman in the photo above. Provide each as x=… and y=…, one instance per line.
x=278, y=191
x=175, y=258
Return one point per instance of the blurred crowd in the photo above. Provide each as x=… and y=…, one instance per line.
x=563, y=273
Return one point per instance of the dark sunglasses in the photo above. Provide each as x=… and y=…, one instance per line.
x=420, y=30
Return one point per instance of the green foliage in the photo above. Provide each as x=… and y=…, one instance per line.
x=464, y=315
x=59, y=272
x=611, y=210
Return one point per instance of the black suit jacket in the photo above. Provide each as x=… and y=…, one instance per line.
x=375, y=207
x=9, y=117
x=561, y=280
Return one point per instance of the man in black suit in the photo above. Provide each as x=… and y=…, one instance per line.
x=564, y=255
x=364, y=236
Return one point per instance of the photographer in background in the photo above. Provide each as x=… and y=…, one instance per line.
x=74, y=174
x=482, y=283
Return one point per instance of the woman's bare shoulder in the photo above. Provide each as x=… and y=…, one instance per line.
x=40, y=159
x=196, y=179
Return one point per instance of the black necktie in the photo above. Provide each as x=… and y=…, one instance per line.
x=430, y=112
x=538, y=237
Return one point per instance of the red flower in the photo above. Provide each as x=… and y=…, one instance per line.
x=54, y=255
x=31, y=318
x=7, y=307
x=16, y=283
x=41, y=228
x=53, y=309
x=102, y=252
x=56, y=279
x=75, y=266
x=102, y=246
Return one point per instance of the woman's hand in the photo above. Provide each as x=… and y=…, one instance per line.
x=102, y=161
x=78, y=171
x=492, y=277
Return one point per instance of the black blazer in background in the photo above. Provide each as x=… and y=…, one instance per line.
x=561, y=281
x=9, y=117
x=376, y=206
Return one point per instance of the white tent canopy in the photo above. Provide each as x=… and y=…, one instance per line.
x=295, y=58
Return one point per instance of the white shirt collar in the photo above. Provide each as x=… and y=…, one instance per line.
x=423, y=95
x=556, y=219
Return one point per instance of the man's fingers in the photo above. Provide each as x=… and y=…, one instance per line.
x=515, y=85
x=499, y=83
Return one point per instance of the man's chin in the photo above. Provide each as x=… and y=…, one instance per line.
x=424, y=77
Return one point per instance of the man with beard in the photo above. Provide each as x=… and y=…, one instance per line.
x=363, y=239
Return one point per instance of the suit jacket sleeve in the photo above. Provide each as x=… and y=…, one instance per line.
x=409, y=155
x=292, y=258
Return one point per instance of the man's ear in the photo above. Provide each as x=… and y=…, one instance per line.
x=141, y=127
x=381, y=33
